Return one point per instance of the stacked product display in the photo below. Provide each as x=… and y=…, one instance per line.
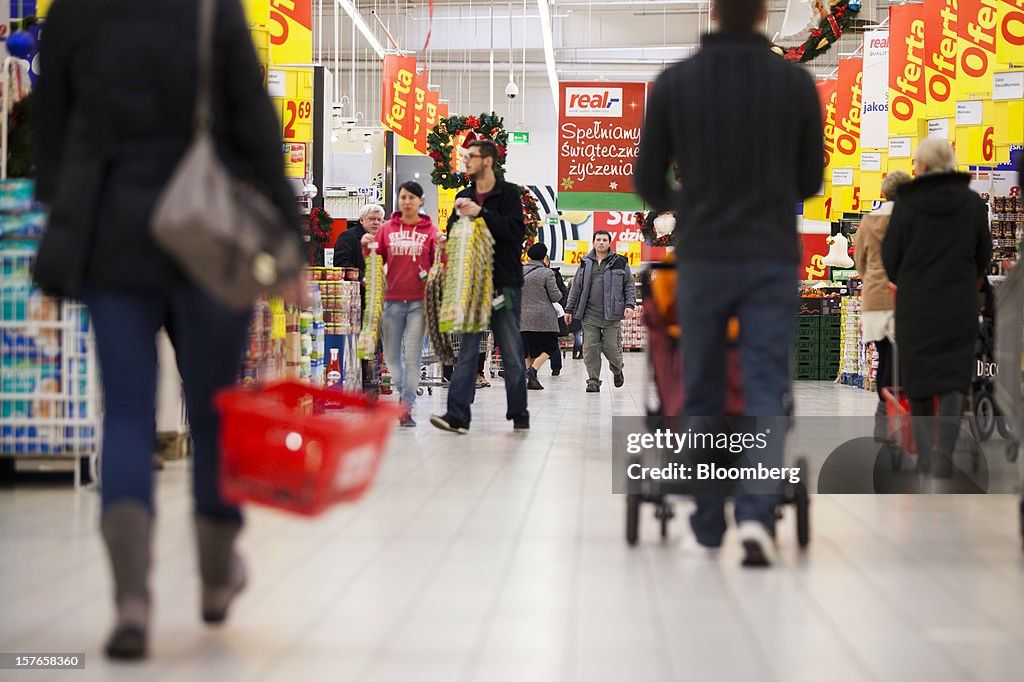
x=816, y=344
x=851, y=368
x=305, y=342
x=1007, y=228
x=634, y=331
x=264, y=359
x=340, y=292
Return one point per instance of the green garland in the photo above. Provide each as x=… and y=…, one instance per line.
x=439, y=146
x=830, y=29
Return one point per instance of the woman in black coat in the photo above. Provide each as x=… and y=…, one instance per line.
x=937, y=248
x=113, y=115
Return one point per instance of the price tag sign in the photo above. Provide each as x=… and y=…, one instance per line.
x=631, y=250
x=871, y=161
x=842, y=177
x=573, y=251
x=969, y=113
x=899, y=147
x=297, y=117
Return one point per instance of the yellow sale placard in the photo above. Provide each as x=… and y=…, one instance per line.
x=870, y=188
x=297, y=119
x=975, y=145
x=445, y=205
x=819, y=208
x=631, y=250
x=574, y=251
x=1010, y=38
x=977, y=28
x=257, y=12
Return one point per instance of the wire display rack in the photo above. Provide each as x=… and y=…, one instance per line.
x=49, y=384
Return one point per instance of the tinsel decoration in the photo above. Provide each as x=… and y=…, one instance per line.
x=834, y=21
x=320, y=231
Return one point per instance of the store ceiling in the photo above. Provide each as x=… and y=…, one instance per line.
x=592, y=39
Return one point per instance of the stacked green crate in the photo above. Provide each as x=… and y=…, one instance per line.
x=829, y=346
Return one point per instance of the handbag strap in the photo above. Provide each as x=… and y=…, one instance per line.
x=204, y=111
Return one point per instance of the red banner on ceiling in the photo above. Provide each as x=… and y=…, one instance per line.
x=827, y=91
x=906, y=68
x=397, y=96
x=419, y=113
x=848, y=111
x=598, y=135
x=432, y=109
x=940, y=49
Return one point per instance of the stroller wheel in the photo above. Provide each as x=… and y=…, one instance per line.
x=632, y=518
x=802, y=502
x=984, y=415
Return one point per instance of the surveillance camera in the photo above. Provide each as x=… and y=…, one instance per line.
x=511, y=90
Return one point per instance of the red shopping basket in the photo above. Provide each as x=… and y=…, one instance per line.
x=280, y=448
x=897, y=410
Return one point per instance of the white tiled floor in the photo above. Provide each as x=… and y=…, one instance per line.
x=497, y=556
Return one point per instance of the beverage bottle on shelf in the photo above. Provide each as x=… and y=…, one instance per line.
x=334, y=369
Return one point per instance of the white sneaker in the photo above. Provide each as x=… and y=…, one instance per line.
x=758, y=545
x=689, y=546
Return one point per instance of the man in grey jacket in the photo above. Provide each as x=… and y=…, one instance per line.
x=602, y=293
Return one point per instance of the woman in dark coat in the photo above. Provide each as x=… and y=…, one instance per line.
x=113, y=115
x=937, y=247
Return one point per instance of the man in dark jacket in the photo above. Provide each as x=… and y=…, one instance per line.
x=348, y=252
x=501, y=207
x=737, y=242
x=602, y=293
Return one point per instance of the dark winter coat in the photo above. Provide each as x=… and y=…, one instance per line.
x=348, y=251
x=112, y=117
x=503, y=214
x=619, y=288
x=937, y=247
x=540, y=291
x=563, y=328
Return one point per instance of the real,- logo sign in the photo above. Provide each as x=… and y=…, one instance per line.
x=593, y=102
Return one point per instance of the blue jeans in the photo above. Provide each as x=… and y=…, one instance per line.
x=208, y=342
x=462, y=388
x=402, y=328
x=763, y=296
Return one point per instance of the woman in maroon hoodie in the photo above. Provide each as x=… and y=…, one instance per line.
x=408, y=244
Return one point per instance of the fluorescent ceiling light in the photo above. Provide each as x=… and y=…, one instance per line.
x=357, y=19
x=549, y=49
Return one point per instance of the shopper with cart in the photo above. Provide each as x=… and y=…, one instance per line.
x=500, y=206
x=877, y=301
x=113, y=115
x=539, y=319
x=408, y=243
x=737, y=242
x=937, y=247
x=602, y=294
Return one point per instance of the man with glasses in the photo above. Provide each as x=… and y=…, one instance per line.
x=499, y=204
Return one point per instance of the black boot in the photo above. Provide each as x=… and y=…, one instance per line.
x=532, y=382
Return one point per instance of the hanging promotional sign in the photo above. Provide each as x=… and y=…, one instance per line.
x=598, y=137
x=907, y=99
x=432, y=109
x=848, y=113
x=827, y=92
x=1010, y=36
x=397, y=95
x=941, y=48
x=976, y=28
x=874, y=123
x=419, y=112
x=257, y=13
x=291, y=31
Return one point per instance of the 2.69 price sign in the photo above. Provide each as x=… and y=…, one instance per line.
x=297, y=117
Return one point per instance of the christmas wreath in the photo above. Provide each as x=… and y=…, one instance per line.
x=648, y=230
x=439, y=146
x=320, y=231
x=832, y=22
x=531, y=216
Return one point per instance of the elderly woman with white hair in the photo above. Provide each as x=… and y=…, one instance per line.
x=348, y=252
x=936, y=250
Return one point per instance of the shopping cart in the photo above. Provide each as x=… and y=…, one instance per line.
x=657, y=290
x=281, y=447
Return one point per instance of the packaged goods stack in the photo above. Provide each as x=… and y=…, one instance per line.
x=634, y=332
x=340, y=291
x=852, y=353
x=264, y=359
x=374, y=279
x=1007, y=228
x=817, y=337
x=468, y=284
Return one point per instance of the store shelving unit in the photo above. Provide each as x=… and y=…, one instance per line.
x=50, y=387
